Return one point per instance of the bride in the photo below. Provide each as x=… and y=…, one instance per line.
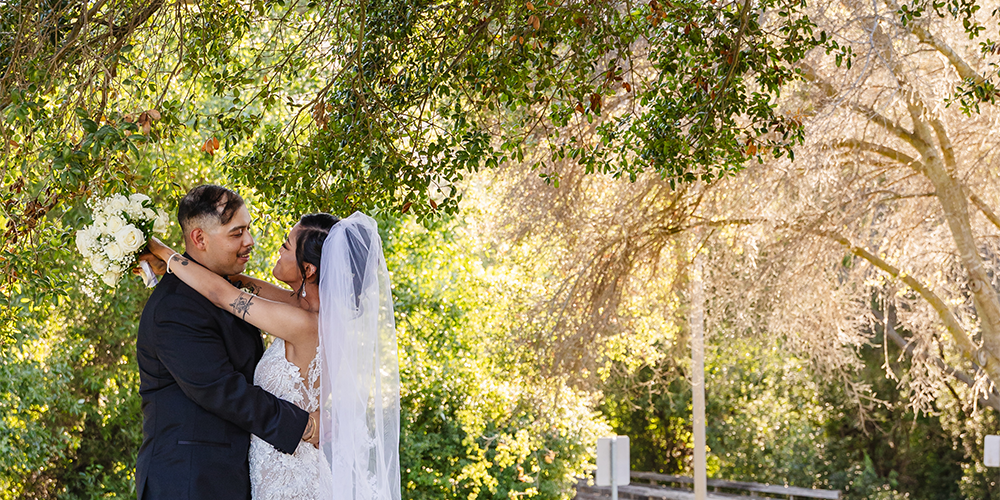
x=335, y=350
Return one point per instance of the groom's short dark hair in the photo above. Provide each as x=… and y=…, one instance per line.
x=208, y=200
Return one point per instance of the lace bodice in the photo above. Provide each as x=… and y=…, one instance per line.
x=275, y=475
x=277, y=375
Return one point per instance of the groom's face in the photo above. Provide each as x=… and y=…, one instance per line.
x=227, y=246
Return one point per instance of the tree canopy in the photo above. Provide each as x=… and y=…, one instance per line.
x=616, y=139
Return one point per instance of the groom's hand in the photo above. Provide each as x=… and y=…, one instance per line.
x=311, y=434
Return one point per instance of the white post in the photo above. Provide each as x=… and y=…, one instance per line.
x=991, y=451
x=612, y=463
x=614, y=477
x=698, y=377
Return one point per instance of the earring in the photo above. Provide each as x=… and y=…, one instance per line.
x=303, y=292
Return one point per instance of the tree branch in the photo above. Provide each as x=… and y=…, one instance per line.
x=992, y=399
x=885, y=151
x=946, y=147
x=809, y=74
x=967, y=347
x=984, y=208
x=964, y=70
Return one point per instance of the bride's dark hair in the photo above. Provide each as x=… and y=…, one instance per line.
x=313, y=229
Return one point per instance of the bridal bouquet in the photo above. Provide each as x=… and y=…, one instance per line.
x=120, y=230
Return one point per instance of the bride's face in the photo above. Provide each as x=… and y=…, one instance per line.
x=286, y=269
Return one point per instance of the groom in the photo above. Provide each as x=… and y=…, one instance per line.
x=196, y=365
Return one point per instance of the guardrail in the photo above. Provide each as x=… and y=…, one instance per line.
x=653, y=489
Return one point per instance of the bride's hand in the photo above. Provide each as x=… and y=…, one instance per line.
x=311, y=435
x=156, y=255
x=160, y=250
x=159, y=267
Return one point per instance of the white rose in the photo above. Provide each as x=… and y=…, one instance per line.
x=138, y=198
x=84, y=240
x=99, y=222
x=113, y=224
x=161, y=222
x=130, y=238
x=149, y=214
x=116, y=268
x=116, y=205
x=114, y=251
x=99, y=263
x=135, y=210
x=110, y=278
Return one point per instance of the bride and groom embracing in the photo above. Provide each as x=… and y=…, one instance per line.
x=316, y=416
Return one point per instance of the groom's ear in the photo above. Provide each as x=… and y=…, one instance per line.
x=197, y=238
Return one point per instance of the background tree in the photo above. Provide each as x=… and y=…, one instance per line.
x=819, y=250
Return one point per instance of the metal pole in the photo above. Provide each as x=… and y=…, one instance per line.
x=698, y=377
x=614, y=479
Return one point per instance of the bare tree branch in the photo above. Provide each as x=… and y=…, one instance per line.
x=964, y=70
x=967, y=347
x=984, y=208
x=889, y=324
x=885, y=151
x=947, y=149
x=810, y=75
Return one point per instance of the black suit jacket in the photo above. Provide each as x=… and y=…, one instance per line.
x=199, y=404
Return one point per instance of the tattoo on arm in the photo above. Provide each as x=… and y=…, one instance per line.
x=241, y=306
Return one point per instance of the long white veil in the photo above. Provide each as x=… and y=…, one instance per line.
x=359, y=385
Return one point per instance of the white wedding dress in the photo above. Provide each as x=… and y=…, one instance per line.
x=304, y=475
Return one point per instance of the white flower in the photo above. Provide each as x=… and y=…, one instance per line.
x=130, y=238
x=99, y=222
x=116, y=268
x=161, y=222
x=85, y=240
x=135, y=210
x=99, y=208
x=138, y=198
x=148, y=214
x=116, y=205
x=113, y=224
x=99, y=263
x=114, y=251
x=110, y=278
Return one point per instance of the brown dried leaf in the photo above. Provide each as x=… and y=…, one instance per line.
x=595, y=102
x=154, y=114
